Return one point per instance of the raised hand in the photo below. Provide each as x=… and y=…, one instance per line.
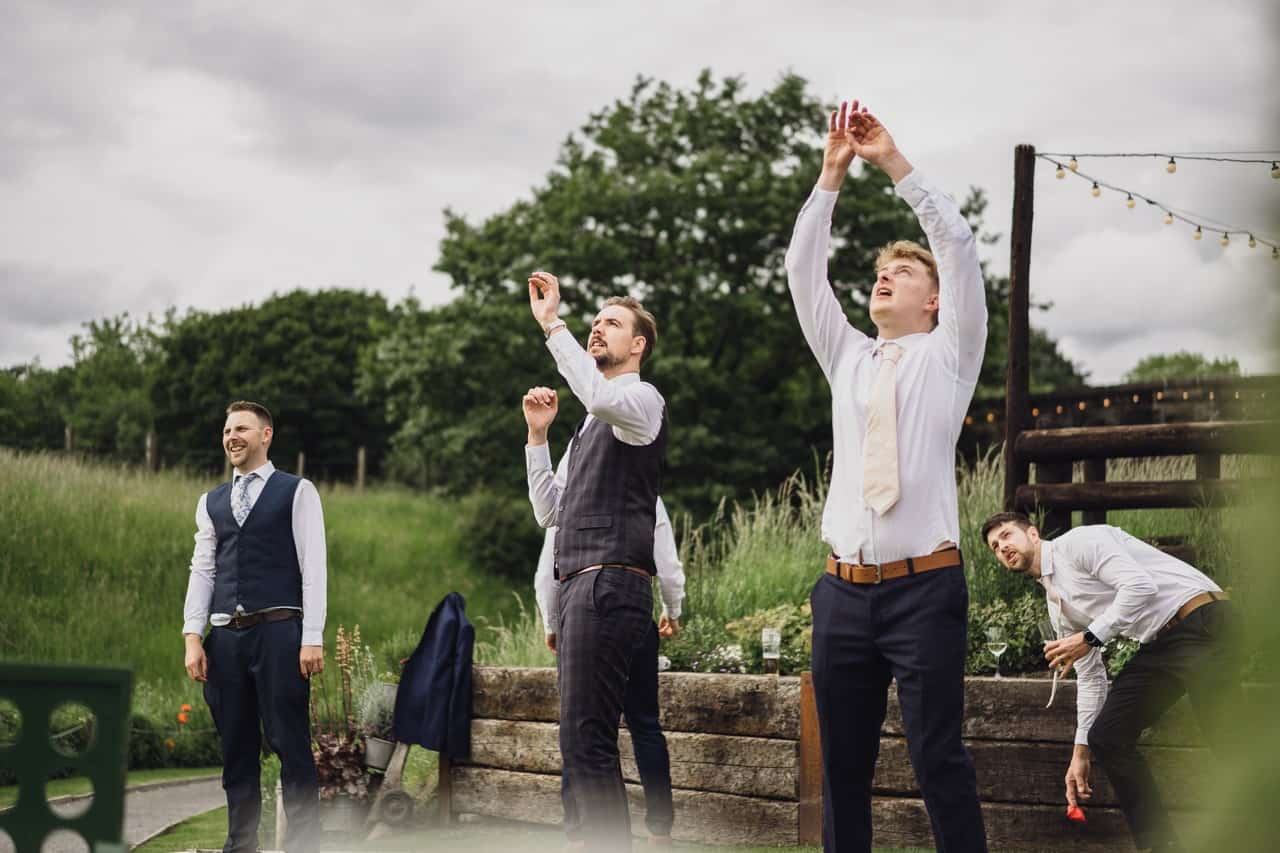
x=841, y=148
x=873, y=143
x=540, y=406
x=544, y=297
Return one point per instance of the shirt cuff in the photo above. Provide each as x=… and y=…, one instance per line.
x=537, y=456
x=1082, y=736
x=564, y=345
x=1103, y=630
x=312, y=637
x=194, y=626
x=913, y=189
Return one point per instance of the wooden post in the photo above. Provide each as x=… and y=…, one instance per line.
x=1056, y=521
x=809, y=829
x=1017, y=382
x=360, y=468
x=69, y=438
x=1208, y=466
x=302, y=464
x=1095, y=471
x=153, y=452
x=444, y=792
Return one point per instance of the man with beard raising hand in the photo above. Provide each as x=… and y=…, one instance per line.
x=605, y=510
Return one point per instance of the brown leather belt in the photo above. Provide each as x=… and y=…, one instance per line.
x=873, y=573
x=635, y=570
x=248, y=620
x=1190, y=606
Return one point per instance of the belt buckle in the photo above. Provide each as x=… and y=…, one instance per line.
x=879, y=574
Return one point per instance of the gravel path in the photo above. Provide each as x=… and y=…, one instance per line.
x=148, y=809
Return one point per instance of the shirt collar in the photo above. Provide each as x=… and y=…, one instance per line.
x=1046, y=558
x=263, y=471
x=906, y=341
x=625, y=379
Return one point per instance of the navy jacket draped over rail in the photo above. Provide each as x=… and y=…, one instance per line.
x=433, y=704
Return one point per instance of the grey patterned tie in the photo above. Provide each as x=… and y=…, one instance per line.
x=240, y=506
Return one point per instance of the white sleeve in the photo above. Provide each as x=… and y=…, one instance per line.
x=1091, y=692
x=822, y=320
x=545, y=484
x=667, y=559
x=195, y=611
x=633, y=410
x=309, y=540
x=1107, y=560
x=962, y=298
x=545, y=588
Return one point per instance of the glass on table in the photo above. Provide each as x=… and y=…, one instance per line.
x=997, y=644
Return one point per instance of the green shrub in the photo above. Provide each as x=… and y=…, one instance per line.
x=498, y=533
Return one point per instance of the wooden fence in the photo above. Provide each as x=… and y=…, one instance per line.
x=745, y=763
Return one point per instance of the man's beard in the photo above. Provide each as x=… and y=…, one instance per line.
x=605, y=360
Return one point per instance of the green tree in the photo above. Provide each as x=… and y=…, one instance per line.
x=685, y=198
x=1164, y=367
x=297, y=354
x=32, y=400
x=109, y=406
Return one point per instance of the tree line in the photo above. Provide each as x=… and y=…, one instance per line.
x=683, y=197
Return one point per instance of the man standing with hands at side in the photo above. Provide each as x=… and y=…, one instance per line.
x=603, y=554
x=259, y=565
x=893, y=601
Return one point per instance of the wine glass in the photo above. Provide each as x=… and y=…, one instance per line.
x=997, y=645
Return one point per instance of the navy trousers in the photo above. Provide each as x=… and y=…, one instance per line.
x=604, y=617
x=912, y=630
x=255, y=689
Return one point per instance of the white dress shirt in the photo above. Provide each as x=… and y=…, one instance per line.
x=1100, y=578
x=631, y=406
x=936, y=376
x=308, y=539
x=666, y=558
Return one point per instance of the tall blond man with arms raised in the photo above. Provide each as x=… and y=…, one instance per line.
x=892, y=603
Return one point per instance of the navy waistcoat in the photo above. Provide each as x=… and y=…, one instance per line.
x=256, y=566
x=608, y=508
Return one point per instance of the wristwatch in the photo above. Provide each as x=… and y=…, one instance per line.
x=1092, y=639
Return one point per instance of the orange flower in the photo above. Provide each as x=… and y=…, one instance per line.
x=170, y=744
x=185, y=708
x=184, y=717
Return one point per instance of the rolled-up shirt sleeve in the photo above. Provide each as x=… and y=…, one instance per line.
x=1091, y=692
x=633, y=409
x=666, y=556
x=962, y=298
x=195, y=611
x=1134, y=586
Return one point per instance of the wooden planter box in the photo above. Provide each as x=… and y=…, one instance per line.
x=745, y=764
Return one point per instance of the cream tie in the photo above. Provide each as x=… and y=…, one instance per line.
x=880, y=448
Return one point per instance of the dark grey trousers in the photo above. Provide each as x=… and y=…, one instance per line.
x=604, y=616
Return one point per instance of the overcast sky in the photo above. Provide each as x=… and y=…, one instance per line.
x=205, y=155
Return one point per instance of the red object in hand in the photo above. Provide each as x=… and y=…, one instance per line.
x=1076, y=814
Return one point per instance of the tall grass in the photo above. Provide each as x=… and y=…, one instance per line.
x=94, y=565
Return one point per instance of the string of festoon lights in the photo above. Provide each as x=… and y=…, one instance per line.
x=1172, y=214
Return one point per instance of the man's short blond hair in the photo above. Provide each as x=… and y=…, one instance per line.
x=911, y=251
x=642, y=323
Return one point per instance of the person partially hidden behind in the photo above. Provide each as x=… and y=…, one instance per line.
x=259, y=565
x=1099, y=583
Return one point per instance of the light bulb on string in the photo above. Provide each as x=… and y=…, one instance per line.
x=1198, y=234
x=1073, y=164
x=1275, y=171
x=1168, y=218
x=1252, y=242
x=1129, y=202
x=1225, y=239
x=1096, y=191
x=1061, y=173
x=1275, y=254
x=1171, y=166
